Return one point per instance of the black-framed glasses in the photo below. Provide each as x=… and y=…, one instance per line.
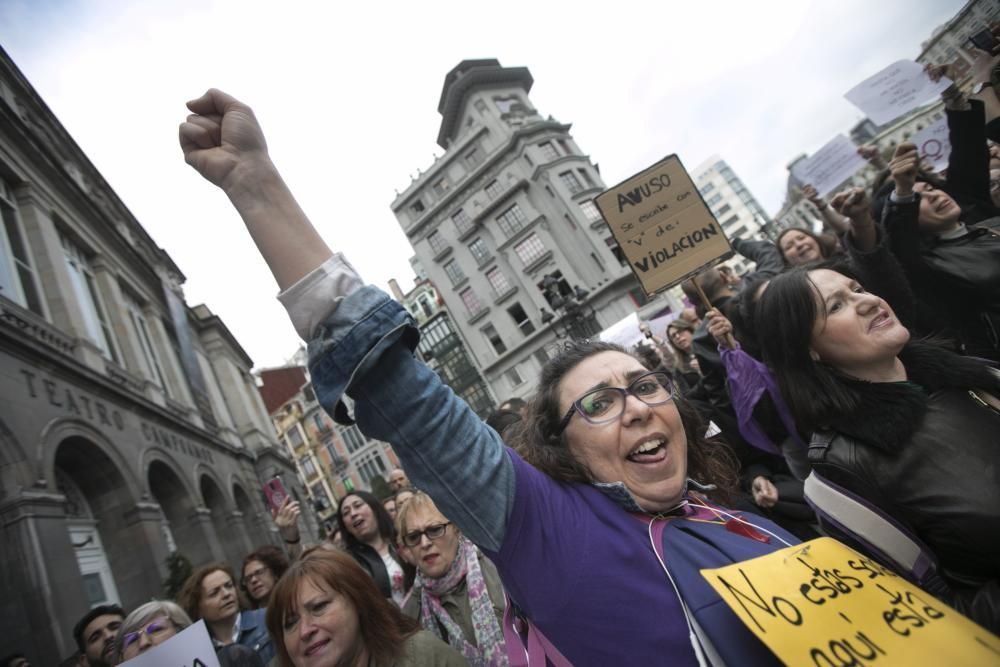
x=255, y=574
x=433, y=532
x=152, y=629
x=607, y=404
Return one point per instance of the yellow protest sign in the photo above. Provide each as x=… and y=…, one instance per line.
x=824, y=604
x=662, y=225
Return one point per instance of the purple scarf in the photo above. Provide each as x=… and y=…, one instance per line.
x=490, y=650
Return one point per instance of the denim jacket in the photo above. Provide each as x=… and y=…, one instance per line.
x=253, y=634
x=365, y=349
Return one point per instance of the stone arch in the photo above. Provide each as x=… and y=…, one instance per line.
x=253, y=518
x=156, y=454
x=180, y=507
x=59, y=430
x=232, y=537
x=114, y=553
x=203, y=472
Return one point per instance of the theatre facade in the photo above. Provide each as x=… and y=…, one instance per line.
x=130, y=425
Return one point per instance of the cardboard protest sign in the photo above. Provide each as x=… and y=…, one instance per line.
x=191, y=647
x=822, y=603
x=933, y=144
x=830, y=166
x=663, y=226
x=898, y=89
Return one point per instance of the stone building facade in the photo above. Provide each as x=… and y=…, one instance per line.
x=130, y=426
x=508, y=204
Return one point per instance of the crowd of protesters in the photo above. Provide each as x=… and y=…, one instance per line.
x=571, y=526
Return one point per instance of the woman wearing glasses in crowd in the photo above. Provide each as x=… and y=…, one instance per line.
x=589, y=521
x=457, y=595
x=261, y=570
x=150, y=625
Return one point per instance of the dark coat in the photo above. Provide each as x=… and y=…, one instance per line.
x=926, y=453
x=956, y=282
x=369, y=559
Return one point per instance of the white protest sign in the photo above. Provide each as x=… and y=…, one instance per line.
x=933, y=144
x=830, y=166
x=898, y=89
x=624, y=332
x=191, y=647
x=658, y=325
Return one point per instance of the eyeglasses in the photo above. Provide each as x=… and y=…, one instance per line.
x=152, y=629
x=433, y=532
x=255, y=574
x=607, y=404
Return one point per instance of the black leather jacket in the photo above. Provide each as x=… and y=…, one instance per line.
x=932, y=462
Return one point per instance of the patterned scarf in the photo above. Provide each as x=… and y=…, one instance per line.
x=491, y=651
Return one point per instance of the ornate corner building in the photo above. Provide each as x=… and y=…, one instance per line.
x=130, y=426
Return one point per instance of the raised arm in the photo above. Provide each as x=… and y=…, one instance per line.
x=360, y=340
x=222, y=140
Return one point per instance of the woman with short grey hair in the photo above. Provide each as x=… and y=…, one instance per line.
x=149, y=625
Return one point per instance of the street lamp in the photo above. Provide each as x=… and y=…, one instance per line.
x=573, y=318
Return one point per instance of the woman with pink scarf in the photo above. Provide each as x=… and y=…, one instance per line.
x=457, y=594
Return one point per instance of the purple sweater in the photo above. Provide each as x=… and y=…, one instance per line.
x=576, y=563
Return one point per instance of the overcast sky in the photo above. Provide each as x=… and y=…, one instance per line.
x=347, y=94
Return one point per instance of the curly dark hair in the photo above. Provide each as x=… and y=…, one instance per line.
x=539, y=443
x=271, y=556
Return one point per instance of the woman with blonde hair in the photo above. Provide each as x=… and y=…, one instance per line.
x=457, y=594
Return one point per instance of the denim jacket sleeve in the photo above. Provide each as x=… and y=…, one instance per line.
x=365, y=349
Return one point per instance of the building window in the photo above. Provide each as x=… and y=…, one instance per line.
x=571, y=182
x=479, y=251
x=565, y=147
x=521, y=319
x=320, y=422
x=294, y=436
x=319, y=497
x=639, y=297
x=498, y=281
x=494, y=339
x=730, y=220
x=463, y=222
x=587, y=178
x=514, y=377
x=438, y=244
x=562, y=287
x=530, y=249
x=549, y=151
x=471, y=301
x=18, y=281
x=725, y=208
x=714, y=199
x=705, y=189
x=89, y=297
x=370, y=465
x=473, y=157
x=616, y=251
x=417, y=207
x=425, y=305
x=454, y=272
x=511, y=221
x=591, y=211
x=494, y=189
x=441, y=186
x=308, y=467
x=140, y=329
x=352, y=438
